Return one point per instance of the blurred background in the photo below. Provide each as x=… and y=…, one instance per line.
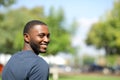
x=85, y=35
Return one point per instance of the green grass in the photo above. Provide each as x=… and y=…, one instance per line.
x=87, y=77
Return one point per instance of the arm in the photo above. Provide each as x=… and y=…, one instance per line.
x=40, y=71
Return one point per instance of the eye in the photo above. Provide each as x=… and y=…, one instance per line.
x=48, y=35
x=41, y=35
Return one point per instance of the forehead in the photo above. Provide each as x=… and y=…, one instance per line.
x=39, y=29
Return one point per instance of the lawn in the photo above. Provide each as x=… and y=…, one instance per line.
x=86, y=77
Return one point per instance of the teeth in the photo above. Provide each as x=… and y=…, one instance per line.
x=44, y=45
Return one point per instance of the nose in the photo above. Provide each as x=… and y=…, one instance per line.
x=46, y=39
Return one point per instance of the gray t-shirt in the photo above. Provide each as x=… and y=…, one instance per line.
x=26, y=65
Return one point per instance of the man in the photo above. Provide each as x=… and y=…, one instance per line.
x=26, y=64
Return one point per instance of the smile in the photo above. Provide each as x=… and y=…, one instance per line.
x=43, y=45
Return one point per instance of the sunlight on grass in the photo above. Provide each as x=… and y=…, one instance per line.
x=87, y=77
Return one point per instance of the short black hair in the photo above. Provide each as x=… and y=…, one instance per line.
x=31, y=24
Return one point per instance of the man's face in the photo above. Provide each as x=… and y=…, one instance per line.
x=39, y=38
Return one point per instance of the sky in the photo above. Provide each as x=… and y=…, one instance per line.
x=86, y=12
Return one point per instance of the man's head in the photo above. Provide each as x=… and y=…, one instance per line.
x=36, y=36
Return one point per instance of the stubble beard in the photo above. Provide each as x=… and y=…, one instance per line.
x=35, y=47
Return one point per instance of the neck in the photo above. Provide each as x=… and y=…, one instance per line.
x=28, y=47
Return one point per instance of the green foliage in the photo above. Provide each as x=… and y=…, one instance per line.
x=6, y=3
x=12, y=24
x=87, y=60
x=112, y=60
x=105, y=33
x=60, y=38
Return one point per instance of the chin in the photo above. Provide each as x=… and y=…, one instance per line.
x=42, y=51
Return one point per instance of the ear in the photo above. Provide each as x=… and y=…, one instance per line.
x=26, y=37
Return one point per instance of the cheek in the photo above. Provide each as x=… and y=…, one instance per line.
x=36, y=39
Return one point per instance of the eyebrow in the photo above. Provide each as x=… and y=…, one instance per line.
x=43, y=33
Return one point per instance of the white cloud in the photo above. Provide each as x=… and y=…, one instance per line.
x=85, y=25
x=82, y=31
x=86, y=22
x=77, y=41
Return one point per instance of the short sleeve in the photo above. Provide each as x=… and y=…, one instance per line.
x=39, y=71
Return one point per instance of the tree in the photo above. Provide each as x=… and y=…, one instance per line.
x=105, y=33
x=14, y=21
x=6, y=3
x=60, y=38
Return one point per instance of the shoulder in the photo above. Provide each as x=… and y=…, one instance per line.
x=40, y=67
x=41, y=62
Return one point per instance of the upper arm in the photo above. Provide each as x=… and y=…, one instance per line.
x=40, y=71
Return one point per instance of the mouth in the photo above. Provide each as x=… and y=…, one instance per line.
x=44, y=46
